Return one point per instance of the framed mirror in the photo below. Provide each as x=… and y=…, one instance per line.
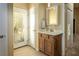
x=52, y=15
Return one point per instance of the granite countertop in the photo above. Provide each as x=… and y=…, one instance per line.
x=51, y=33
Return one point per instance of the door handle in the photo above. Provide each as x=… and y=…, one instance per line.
x=1, y=36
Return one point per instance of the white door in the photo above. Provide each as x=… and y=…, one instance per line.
x=69, y=28
x=20, y=27
x=3, y=29
x=32, y=26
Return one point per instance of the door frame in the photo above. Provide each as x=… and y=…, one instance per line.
x=10, y=29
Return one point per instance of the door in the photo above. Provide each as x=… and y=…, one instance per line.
x=3, y=29
x=69, y=28
x=32, y=25
x=20, y=26
x=48, y=46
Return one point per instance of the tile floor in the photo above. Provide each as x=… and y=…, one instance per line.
x=74, y=51
x=27, y=51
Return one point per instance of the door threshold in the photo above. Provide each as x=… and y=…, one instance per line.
x=20, y=47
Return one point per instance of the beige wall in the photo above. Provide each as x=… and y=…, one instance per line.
x=21, y=5
x=10, y=29
x=42, y=13
x=61, y=20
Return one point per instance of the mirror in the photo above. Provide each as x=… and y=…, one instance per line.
x=52, y=15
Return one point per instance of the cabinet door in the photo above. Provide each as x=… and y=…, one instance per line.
x=52, y=44
x=58, y=50
x=48, y=46
x=41, y=43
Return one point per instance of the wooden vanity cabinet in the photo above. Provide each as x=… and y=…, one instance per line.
x=57, y=45
x=41, y=42
x=49, y=44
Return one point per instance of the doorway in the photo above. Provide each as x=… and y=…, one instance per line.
x=20, y=27
x=23, y=27
x=69, y=29
x=74, y=50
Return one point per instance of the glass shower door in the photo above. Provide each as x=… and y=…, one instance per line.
x=20, y=27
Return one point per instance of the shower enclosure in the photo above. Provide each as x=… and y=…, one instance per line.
x=24, y=24
x=20, y=27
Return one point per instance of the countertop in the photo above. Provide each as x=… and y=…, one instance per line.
x=51, y=33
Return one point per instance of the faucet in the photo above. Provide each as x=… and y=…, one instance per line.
x=49, y=28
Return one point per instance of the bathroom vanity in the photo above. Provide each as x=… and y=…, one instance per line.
x=50, y=39
x=50, y=43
